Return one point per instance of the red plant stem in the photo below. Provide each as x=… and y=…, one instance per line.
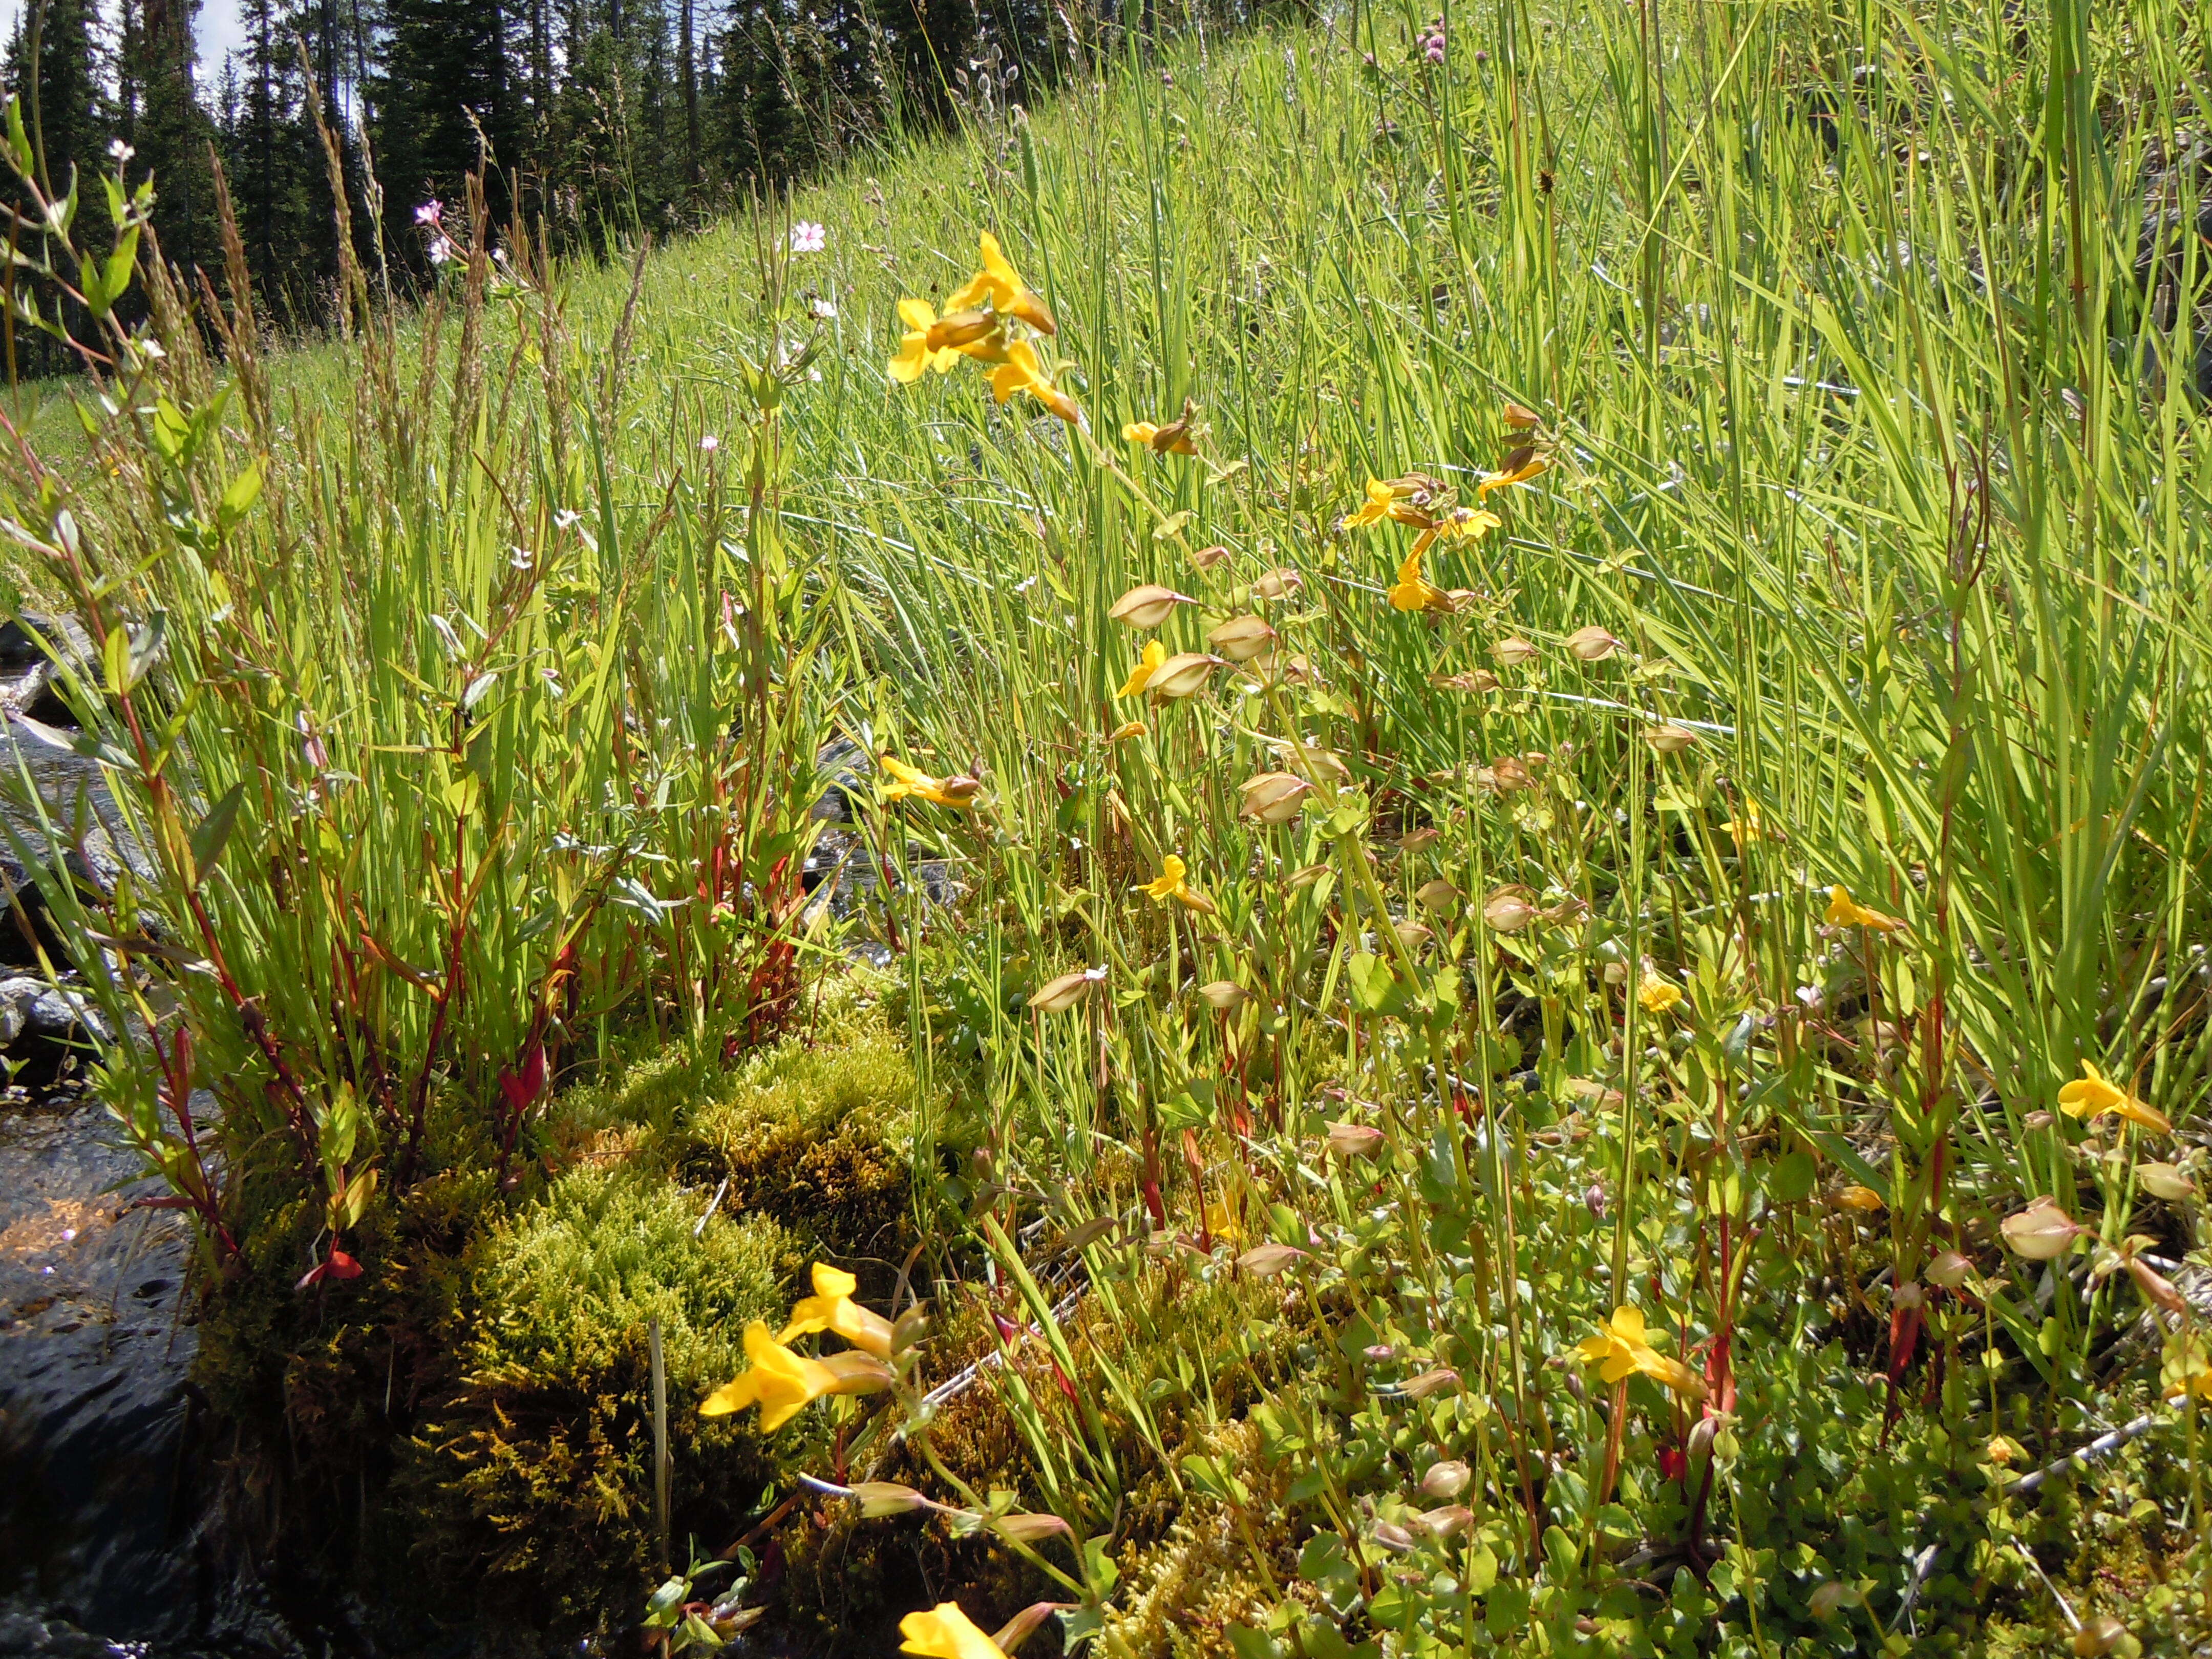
x=447, y=992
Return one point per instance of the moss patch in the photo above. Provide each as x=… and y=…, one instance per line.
x=535, y=1475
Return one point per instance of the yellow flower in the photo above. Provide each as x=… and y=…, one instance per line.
x=1865, y=1199
x=1380, y=497
x=1125, y=729
x=1173, y=439
x=1022, y=372
x=916, y=353
x=1657, y=995
x=1000, y=285
x=780, y=1383
x=959, y=791
x=1155, y=654
x=831, y=1308
x=1621, y=1349
x=1170, y=885
x=1414, y=592
x=1844, y=911
x=2092, y=1096
x=1747, y=827
x=1462, y=524
x=1522, y=468
x=946, y=1632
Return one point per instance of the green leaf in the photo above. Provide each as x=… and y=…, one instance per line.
x=238, y=499
x=1251, y=1644
x=19, y=142
x=214, y=833
x=145, y=648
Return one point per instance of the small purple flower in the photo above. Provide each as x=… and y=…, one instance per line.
x=442, y=251
x=710, y=443
x=807, y=237
x=432, y=212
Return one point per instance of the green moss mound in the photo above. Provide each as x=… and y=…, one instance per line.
x=535, y=1477
x=817, y=1136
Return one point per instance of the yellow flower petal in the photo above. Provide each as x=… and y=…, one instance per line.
x=946, y=1632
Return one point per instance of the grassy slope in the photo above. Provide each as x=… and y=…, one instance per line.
x=1829, y=314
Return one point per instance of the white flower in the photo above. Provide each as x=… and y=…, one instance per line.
x=820, y=309
x=710, y=443
x=442, y=251
x=806, y=237
x=432, y=212
x=122, y=153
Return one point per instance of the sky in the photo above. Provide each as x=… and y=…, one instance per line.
x=219, y=30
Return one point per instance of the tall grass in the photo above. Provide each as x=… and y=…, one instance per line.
x=1864, y=344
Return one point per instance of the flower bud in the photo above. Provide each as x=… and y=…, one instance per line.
x=1056, y=996
x=1266, y=1261
x=1181, y=675
x=1948, y=1271
x=1445, y=1522
x=1508, y=911
x=1413, y=934
x=1442, y=1380
x=880, y=1499
x=2166, y=1181
x=1023, y=1625
x=1354, y=1140
x=1032, y=1528
x=2040, y=1232
x=1591, y=644
x=1147, y=606
x=1272, y=797
x=1446, y=1479
x=1436, y=897
x=1241, y=638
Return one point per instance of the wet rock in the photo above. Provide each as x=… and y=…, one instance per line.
x=28, y=677
x=94, y=1349
x=845, y=765
x=51, y=1013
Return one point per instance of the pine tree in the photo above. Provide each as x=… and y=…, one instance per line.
x=444, y=79
x=161, y=118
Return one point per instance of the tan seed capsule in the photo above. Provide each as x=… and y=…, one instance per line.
x=1508, y=910
x=1272, y=797
x=1513, y=652
x=1436, y=897
x=1474, y=680
x=1241, y=638
x=1446, y=1479
x=1207, y=557
x=2040, y=1232
x=1278, y=584
x=1058, y=996
x=1521, y=417
x=2166, y=1181
x=1591, y=644
x=1949, y=1270
x=1181, y=675
x=1147, y=606
x=1223, y=995
x=1354, y=1140
x=1668, y=738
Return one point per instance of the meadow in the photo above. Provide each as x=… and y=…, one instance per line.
x=1513, y=707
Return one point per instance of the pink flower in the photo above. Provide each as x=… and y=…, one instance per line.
x=432, y=212
x=807, y=237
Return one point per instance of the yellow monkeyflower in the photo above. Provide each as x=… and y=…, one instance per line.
x=1655, y=995
x=1414, y=592
x=1462, y=524
x=1747, y=827
x=978, y=334
x=1171, y=887
x=2092, y=1096
x=1173, y=439
x=1393, y=499
x=1147, y=666
x=1001, y=286
x=946, y=1632
x=916, y=353
x=906, y=781
x=1125, y=729
x=1621, y=1349
x=780, y=1383
x=1522, y=468
x=831, y=1308
x=1844, y=911
x=1022, y=372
